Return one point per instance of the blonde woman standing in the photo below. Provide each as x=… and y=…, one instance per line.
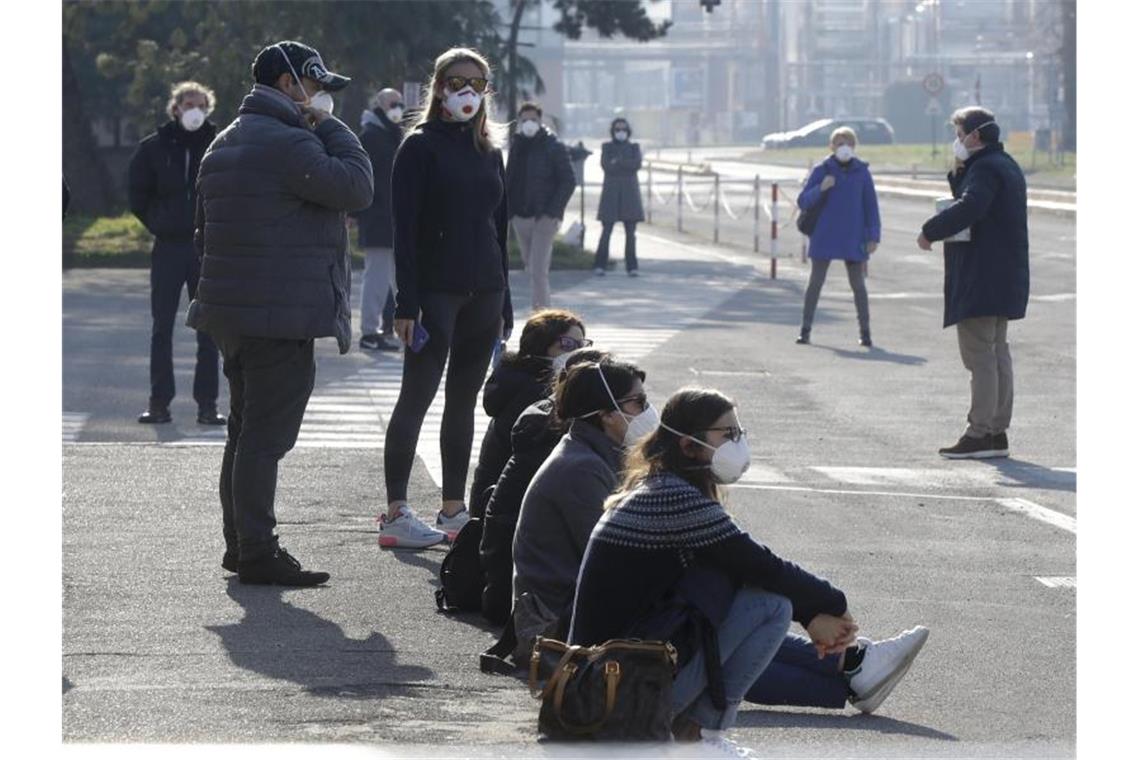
x=453, y=303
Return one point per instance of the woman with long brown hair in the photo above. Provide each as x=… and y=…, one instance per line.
x=453, y=300
x=665, y=544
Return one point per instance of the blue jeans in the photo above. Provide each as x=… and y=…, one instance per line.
x=796, y=676
x=755, y=628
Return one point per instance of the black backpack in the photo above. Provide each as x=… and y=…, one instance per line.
x=461, y=574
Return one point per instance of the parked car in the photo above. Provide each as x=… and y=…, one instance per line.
x=871, y=131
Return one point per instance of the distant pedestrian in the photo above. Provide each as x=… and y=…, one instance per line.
x=986, y=281
x=380, y=135
x=540, y=181
x=621, y=196
x=162, y=192
x=848, y=227
x=453, y=302
x=274, y=189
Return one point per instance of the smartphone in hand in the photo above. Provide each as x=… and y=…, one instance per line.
x=419, y=338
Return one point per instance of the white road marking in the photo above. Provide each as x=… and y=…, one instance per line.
x=1038, y=512
x=729, y=373
x=1060, y=581
x=855, y=492
x=73, y=423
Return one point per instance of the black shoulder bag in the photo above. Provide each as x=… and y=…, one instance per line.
x=806, y=220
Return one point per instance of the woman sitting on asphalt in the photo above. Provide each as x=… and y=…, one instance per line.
x=665, y=542
x=607, y=410
x=535, y=434
x=521, y=378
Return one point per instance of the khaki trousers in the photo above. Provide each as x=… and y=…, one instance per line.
x=536, y=242
x=985, y=353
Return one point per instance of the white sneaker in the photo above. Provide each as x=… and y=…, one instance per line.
x=407, y=531
x=452, y=525
x=884, y=664
x=717, y=744
x=599, y=272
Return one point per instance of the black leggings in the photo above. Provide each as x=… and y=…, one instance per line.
x=465, y=327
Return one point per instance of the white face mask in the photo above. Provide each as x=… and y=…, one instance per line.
x=463, y=105
x=637, y=426
x=528, y=128
x=844, y=153
x=621, y=135
x=960, y=151
x=394, y=115
x=730, y=460
x=193, y=119
x=558, y=363
x=322, y=101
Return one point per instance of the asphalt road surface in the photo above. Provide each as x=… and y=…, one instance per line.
x=160, y=645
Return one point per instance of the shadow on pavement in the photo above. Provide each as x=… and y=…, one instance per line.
x=876, y=354
x=1022, y=474
x=430, y=560
x=858, y=722
x=279, y=640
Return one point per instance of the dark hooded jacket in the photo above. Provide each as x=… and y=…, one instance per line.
x=449, y=207
x=273, y=193
x=988, y=276
x=162, y=179
x=515, y=384
x=540, y=179
x=533, y=437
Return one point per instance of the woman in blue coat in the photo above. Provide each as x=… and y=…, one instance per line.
x=847, y=228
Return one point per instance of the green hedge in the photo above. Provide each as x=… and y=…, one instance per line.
x=122, y=242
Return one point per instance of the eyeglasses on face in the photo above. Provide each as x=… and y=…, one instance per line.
x=734, y=433
x=455, y=84
x=641, y=399
x=566, y=343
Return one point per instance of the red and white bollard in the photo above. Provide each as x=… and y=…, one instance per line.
x=775, y=226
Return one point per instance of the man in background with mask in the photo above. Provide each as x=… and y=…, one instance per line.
x=540, y=181
x=380, y=135
x=273, y=192
x=986, y=276
x=161, y=193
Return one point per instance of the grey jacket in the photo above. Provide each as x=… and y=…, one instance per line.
x=559, y=511
x=270, y=224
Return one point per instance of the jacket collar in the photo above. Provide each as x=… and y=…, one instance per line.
x=985, y=151
x=592, y=436
x=853, y=165
x=449, y=128
x=376, y=118
x=173, y=132
x=269, y=101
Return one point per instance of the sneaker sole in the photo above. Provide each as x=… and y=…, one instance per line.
x=392, y=542
x=871, y=702
x=985, y=454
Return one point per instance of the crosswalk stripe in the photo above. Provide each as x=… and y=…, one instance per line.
x=1061, y=581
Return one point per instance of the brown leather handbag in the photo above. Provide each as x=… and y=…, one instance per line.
x=621, y=690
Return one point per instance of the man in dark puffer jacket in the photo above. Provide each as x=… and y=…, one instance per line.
x=273, y=192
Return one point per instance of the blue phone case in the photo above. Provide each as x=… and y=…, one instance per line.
x=419, y=338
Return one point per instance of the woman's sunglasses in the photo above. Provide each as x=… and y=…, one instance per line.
x=566, y=343
x=455, y=84
x=734, y=433
x=641, y=399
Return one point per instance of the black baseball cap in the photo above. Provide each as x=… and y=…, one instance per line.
x=305, y=61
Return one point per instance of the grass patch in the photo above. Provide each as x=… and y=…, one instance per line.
x=917, y=157
x=123, y=242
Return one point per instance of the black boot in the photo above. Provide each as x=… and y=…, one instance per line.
x=805, y=337
x=278, y=568
x=865, y=339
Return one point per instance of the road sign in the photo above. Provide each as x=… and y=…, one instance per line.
x=933, y=108
x=933, y=84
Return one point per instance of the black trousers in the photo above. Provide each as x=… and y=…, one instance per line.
x=463, y=330
x=270, y=383
x=602, y=258
x=172, y=266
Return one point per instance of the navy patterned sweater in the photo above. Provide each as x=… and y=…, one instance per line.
x=640, y=549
